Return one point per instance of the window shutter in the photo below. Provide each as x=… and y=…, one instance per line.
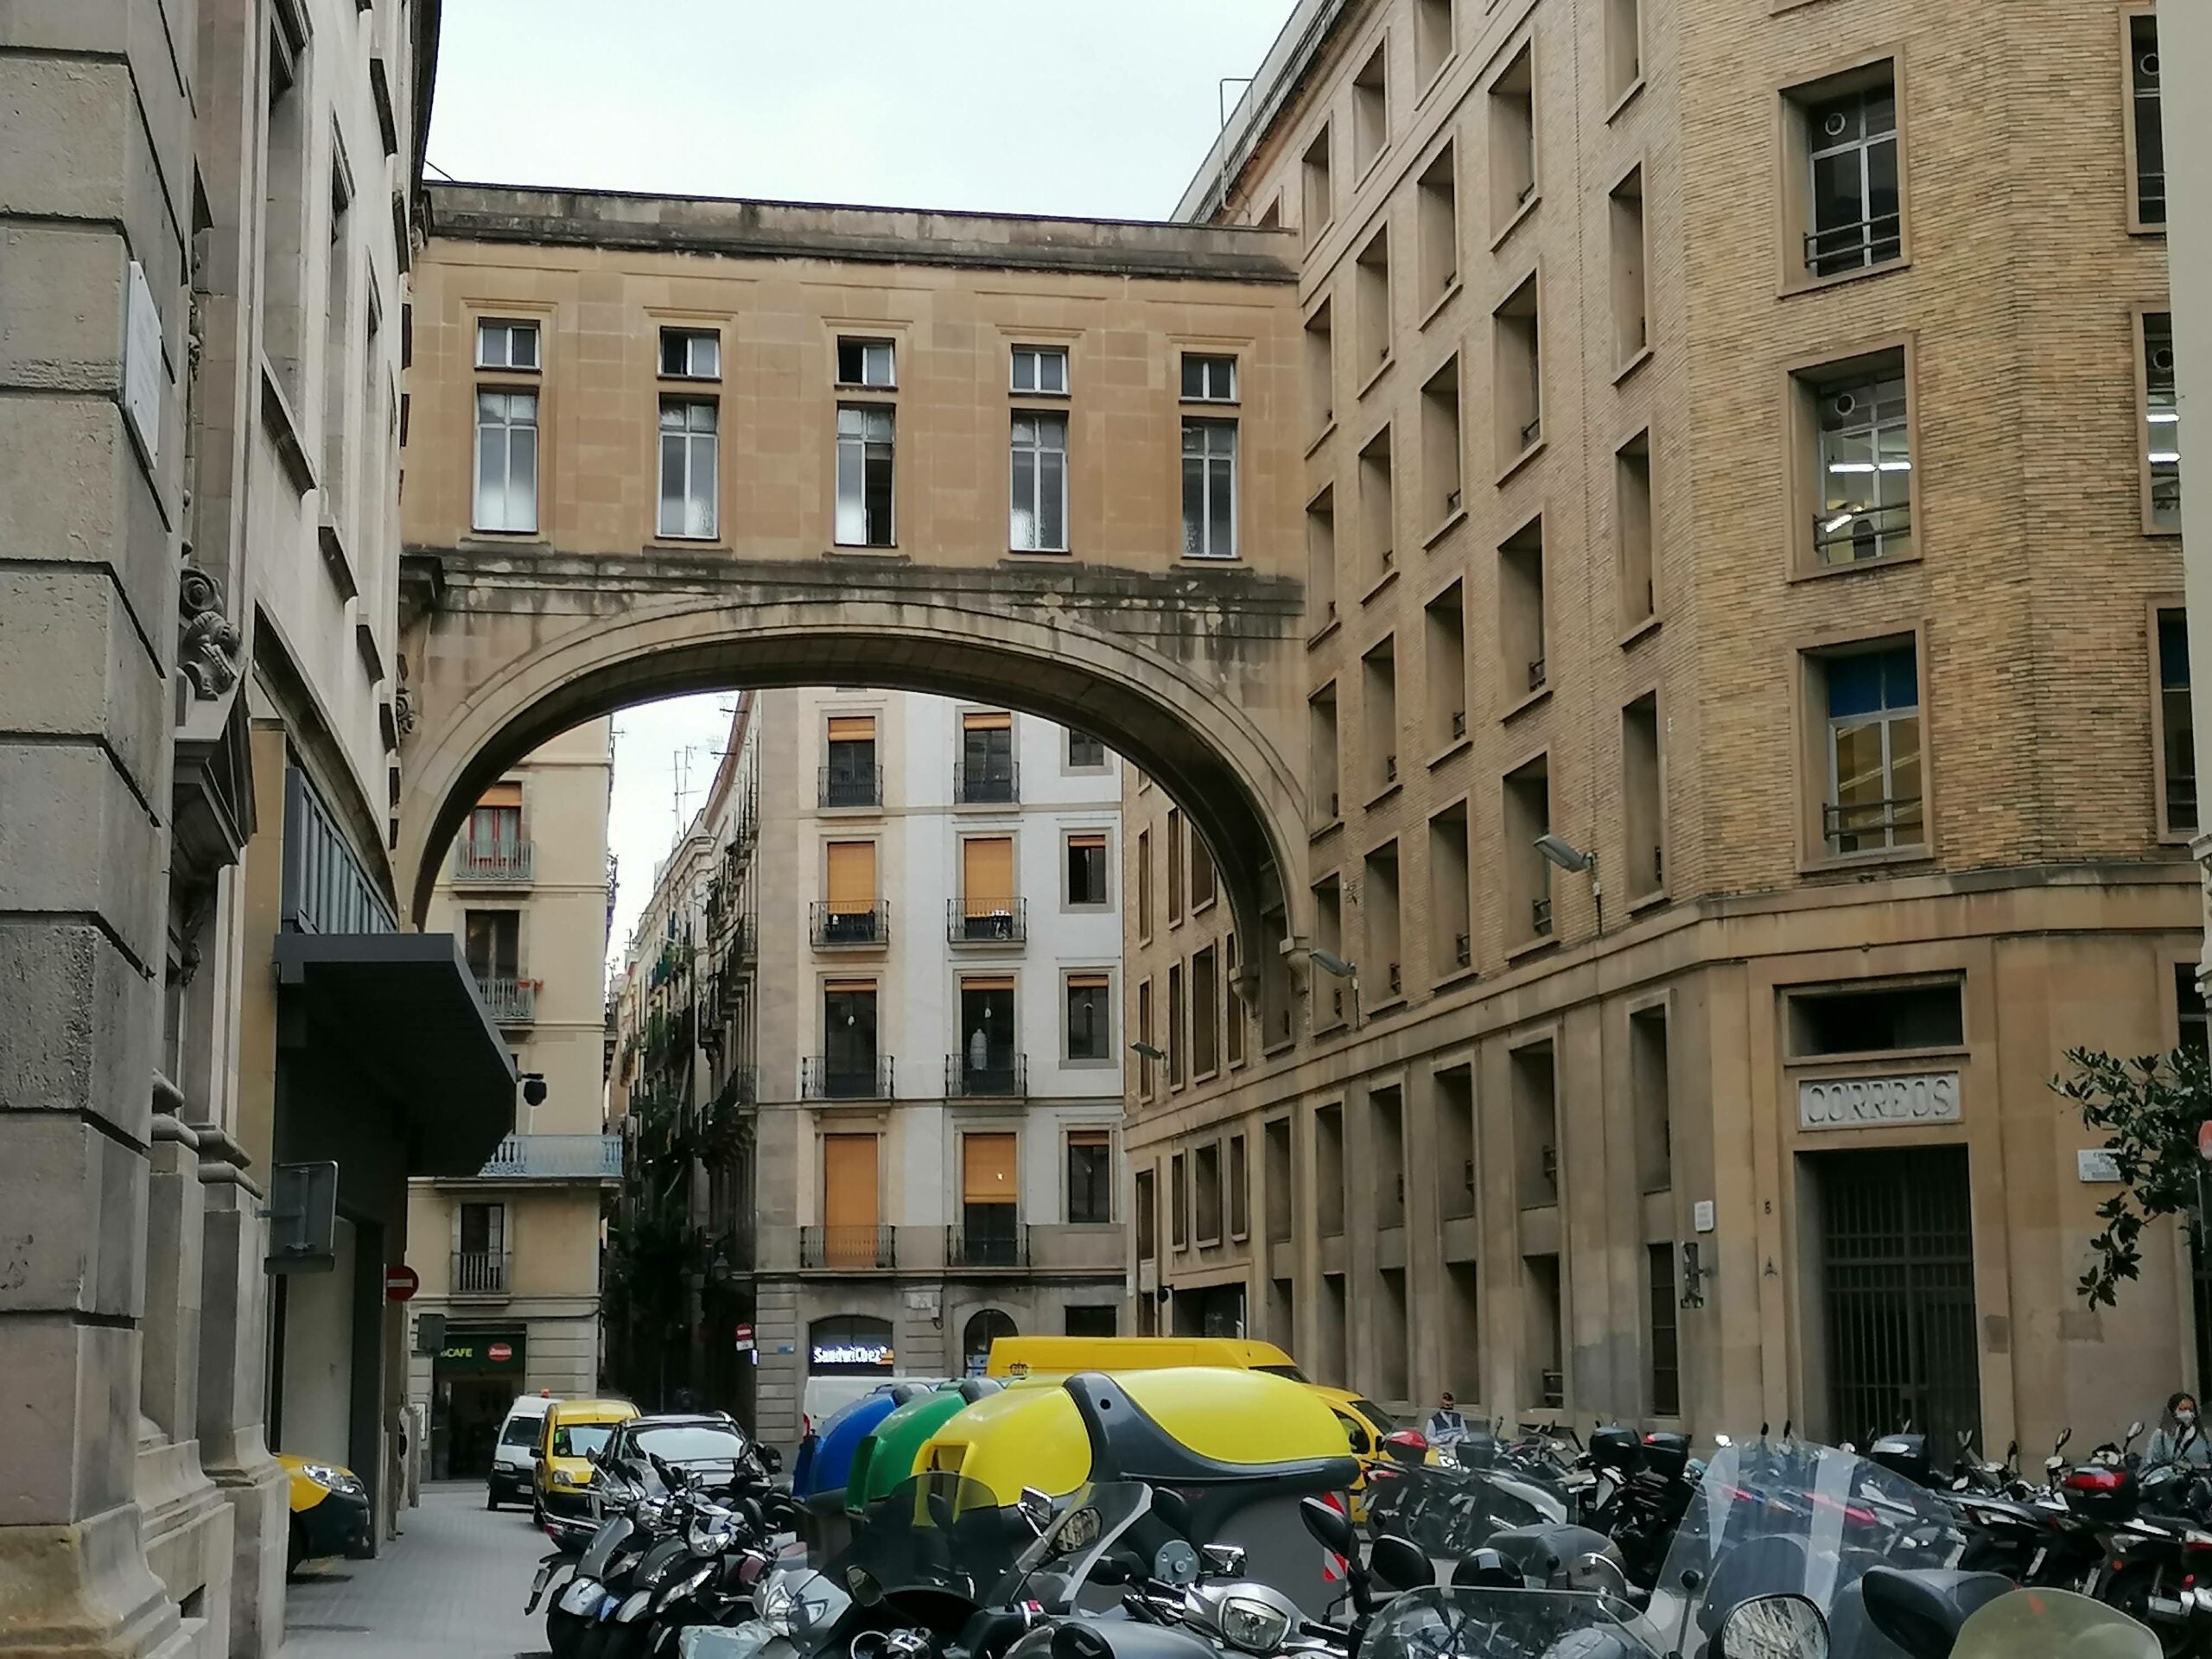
x=853, y=728
x=1086, y=982
x=1000, y=721
x=508, y=794
x=995, y=982
x=852, y=876
x=1090, y=1138
x=987, y=869
x=1085, y=842
x=848, y=1182
x=987, y=1169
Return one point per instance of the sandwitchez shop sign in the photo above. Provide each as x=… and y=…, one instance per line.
x=1877, y=1102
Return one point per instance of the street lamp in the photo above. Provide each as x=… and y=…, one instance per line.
x=1558, y=851
x=1145, y=1051
x=1330, y=962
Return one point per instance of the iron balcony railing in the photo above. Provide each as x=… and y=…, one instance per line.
x=836, y=925
x=986, y=921
x=1871, y=826
x=986, y=1246
x=2150, y=195
x=1000, y=1074
x=1540, y=917
x=494, y=860
x=1551, y=1386
x=556, y=1158
x=1846, y=535
x=848, y=1247
x=852, y=786
x=513, y=1001
x=1848, y=247
x=480, y=1273
x=998, y=784
x=834, y=1078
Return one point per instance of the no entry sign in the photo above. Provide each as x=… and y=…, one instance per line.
x=401, y=1282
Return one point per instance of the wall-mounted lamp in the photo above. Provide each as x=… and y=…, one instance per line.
x=1146, y=1051
x=1558, y=851
x=1694, y=1276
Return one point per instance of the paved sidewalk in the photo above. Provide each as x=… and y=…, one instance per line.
x=451, y=1586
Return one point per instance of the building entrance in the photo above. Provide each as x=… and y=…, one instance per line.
x=473, y=1379
x=1896, y=1243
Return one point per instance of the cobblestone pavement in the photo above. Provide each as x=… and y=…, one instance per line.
x=451, y=1586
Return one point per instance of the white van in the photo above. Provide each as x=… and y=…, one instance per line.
x=825, y=1396
x=512, y=1458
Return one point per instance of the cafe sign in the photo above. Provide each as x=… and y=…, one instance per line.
x=1877, y=1102
x=496, y=1354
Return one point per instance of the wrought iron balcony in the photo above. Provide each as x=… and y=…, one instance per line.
x=480, y=1273
x=986, y=921
x=513, y=1001
x=986, y=1246
x=998, y=784
x=492, y=861
x=846, y=787
x=555, y=1158
x=1002, y=1074
x=1540, y=917
x=839, y=925
x=848, y=1247
x=836, y=1079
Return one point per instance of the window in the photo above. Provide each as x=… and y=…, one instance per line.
x=1178, y=1201
x=1623, y=47
x=1446, y=647
x=1645, y=815
x=1178, y=1050
x=1528, y=876
x=987, y=1062
x=1090, y=1175
x=493, y=839
x=1454, y=1142
x=1208, y=489
x=1328, y=1169
x=1632, y=529
x=865, y=439
x=1651, y=1089
x=1438, y=216
x=1317, y=186
x=1863, y=465
x=1206, y=1169
x=1519, y=382
x=1385, y=975
x=849, y=914
x=1206, y=885
x=1174, y=866
x=1851, y=140
x=1534, y=1073
x=506, y=459
x=1521, y=632
x=1085, y=753
x=1087, y=868
x=1321, y=560
x=1321, y=755
x=1240, y=1188
x=690, y=354
x=865, y=363
x=1874, y=784
x=1040, y=371
x=491, y=941
x=284, y=238
x=2195, y=1026
x=1625, y=218
x=1666, y=1360
x=1432, y=37
x=852, y=777
x=1327, y=989
x=339, y=443
x=1147, y=1217
x=507, y=346
x=1090, y=1026
x=1451, y=935
x=2161, y=421
x=1440, y=444
x=1205, y=1013
x=482, y=1234
x=1209, y=379
x=1093, y=1320
x=1144, y=885
x=987, y=775
x=1371, y=110
x=1320, y=369
x=1377, y=508
x=1144, y=1035
x=1232, y=1003
x=1379, y=686
x=988, y=912
x=687, y=469
x=990, y=1191
x=1512, y=142
x=1872, y=1019
x=1372, y=284
x=2177, y=728
x=2145, y=130
x=1040, y=484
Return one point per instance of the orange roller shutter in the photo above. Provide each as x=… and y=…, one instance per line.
x=1086, y=982
x=987, y=722
x=987, y=1169
x=853, y=728
x=993, y=983
x=852, y=876
x=987, y=870
x=501, y=794
x=849, y=1181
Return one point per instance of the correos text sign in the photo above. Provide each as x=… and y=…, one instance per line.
x=1870, y=1103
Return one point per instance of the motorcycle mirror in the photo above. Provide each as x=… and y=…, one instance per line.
x=1330, y=1528
x=2054, y=1463
x=2064, y=1435
x=866, y=1591
x=1222, y=1560
x=2135, y=1429
x=1723, y=1441
x=1036, y=1507
x=1773, y=1627
x=1401, y=1563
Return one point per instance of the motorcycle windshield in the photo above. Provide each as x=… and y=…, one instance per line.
x=1094, y=1519
x=2028, y=1624
x=611, y=1533
x=1794, y=1519
x=1455, y=1623
x=1451, y=1508
x=803, y=1605
x=935, y=1529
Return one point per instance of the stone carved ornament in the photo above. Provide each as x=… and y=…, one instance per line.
x=207, y=642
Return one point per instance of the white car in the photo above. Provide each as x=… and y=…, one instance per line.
x=512, y=1458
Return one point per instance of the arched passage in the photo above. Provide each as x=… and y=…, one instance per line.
x=1164, y=690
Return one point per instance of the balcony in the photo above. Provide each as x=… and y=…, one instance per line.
x=513, y=1001
x=998, y=784
x=555, y=1158
x=1540, y=918
x=479, y=1273
x=847, y=1248
x=1844, y=535
x=1873, y=826
x=986, y=1246
x=986, y=921
x=836, y=926
x=492, y=861
x=847, y=787
x=841, y=1080
x=1001, y=1074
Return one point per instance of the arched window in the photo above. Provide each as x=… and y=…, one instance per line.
x=982, y=1330
x=849, y=1344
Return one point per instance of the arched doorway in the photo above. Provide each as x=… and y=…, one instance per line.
x=984, y=1329
x=849, y=1344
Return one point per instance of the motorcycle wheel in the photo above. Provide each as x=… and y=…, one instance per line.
x=2131, y=1594
x=593, y=1645
x=563, y=1633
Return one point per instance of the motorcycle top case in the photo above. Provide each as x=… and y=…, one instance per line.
x=1901, y=1454
x=2102, y=1492
x=1666, y=1454
x=1615, y=1448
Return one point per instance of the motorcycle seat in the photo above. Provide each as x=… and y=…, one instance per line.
x=1922, y=1609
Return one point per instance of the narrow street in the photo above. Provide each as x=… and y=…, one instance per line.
x=451, y=1586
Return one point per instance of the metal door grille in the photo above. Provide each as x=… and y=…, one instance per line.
x=1898, y=1254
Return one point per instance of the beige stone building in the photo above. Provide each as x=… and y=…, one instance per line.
x=510, y=1256
x=1713, y=459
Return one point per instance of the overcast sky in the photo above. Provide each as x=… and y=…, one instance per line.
x=1102, y=108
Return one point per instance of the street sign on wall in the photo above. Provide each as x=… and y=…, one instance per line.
x=401, y=1282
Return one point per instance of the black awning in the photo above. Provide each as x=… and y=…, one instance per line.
x=406, y=1004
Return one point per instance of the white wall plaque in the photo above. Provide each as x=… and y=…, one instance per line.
x=1870, y=1103
x=2096, y=1165
x=144, y=374
x=1701, y=1214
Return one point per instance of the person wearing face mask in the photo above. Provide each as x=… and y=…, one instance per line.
x=2179, y=1437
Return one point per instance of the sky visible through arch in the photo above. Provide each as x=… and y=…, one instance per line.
x=1099, y=108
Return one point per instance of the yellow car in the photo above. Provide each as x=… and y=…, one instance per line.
x=562, y=1474
x=330, y=1511
x=1364, y=1423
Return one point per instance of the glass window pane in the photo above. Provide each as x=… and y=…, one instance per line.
x=1194, y=377
x=1024, y=531
x=1836, y=194
x=671, y=417
x=878, y=484
x=521, y=478
x=1859, y=777
x=1854, y=686
x=1222, y=504
x=491, y=478
x=707, y=355
x=852, y=520
x=522, y=346
x=1055, y=367
x=672, y=485
x=1053, y=502
x=851, y=422
x=1194, y=506
x=700, y=519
